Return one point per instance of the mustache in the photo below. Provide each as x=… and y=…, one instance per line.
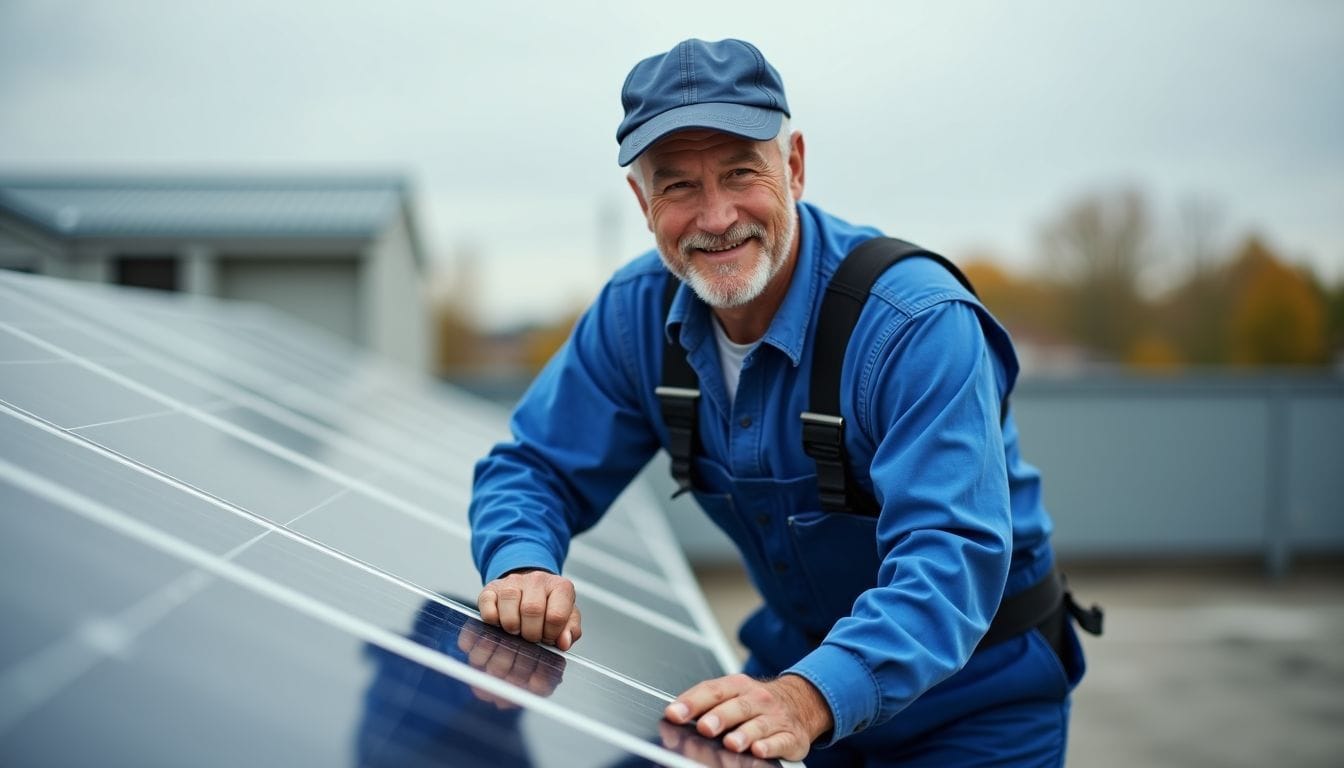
x=707, y=242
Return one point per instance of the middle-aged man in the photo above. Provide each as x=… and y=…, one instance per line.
x=911, y=617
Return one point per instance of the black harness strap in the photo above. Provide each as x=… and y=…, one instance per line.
x=679, y=400
x=824, y=428
x=823, y=425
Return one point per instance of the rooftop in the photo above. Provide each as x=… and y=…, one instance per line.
x=85, y=207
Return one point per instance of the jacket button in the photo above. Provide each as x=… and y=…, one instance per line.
x=763, y=519
x=745, y=422
x=781, y=567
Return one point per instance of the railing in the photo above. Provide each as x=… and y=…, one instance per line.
x=1207, y=464
x=1210, y=465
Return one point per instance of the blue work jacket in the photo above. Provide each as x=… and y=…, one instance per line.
x=873, y=612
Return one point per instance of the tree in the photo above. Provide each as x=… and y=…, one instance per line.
x=457, y=340
x=1097, y=248
x=1334, y=303
x=1277, y=317
x=1194, y=315
x=1023, y=304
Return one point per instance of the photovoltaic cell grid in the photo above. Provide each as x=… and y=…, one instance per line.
x=228, y=538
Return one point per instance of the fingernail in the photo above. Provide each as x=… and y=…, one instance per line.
x=712, y=723
x=734, y=742
x=564, y=641
x=679, y=711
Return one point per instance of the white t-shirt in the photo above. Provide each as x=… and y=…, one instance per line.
x=731, y=355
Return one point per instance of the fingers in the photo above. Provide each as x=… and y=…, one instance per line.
x=699, y=699
x=488, y=604
x=558, y=606
x=537, y=605
x=785, y=745
x=572, y=632
x=765, y=717
x=531, y=611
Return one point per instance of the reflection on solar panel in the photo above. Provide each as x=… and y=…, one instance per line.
x=226, y=539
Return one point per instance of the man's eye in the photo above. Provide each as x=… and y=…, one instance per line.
x=740, y=172
x=676, y=186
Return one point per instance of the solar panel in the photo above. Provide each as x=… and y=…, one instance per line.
x=228, y=538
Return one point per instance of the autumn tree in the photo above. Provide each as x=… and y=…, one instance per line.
x=1097, y=248
x=544, y=341
x=457, y=340
x=1193, y=316
x=1277, y=317
x=457, y=337
x=1024, y=304
x=1334, y=303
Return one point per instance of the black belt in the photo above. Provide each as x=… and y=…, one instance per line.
x=1042, y=605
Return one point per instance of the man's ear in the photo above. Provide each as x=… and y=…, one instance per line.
x=639, y=195
x=797, y=166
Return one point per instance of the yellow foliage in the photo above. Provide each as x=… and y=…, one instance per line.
x=1154, y=353
x=989, y=280
x=1277, y=317
x=1021, y=304
x=456, y=341
x=543, y=342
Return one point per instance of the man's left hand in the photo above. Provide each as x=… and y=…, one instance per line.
x=772, y=718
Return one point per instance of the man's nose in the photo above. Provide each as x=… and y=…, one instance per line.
x=717, y=211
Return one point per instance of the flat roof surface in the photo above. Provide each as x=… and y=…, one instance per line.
x=1201, y=665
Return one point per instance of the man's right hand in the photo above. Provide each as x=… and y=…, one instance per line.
x=537, y=604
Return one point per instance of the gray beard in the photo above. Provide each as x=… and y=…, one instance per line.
x=766, y=266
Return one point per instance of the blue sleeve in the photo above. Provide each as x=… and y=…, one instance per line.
x=579, y=436
x=930, y=398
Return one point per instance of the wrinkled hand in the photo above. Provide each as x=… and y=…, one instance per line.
x=772, y=718
x=525, y=666
x=536, y=604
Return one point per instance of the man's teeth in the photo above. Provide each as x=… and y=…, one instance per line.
x=725, y=248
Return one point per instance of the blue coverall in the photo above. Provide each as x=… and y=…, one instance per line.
x=961, y=524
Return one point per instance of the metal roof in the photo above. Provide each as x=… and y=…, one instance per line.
x=75, y=207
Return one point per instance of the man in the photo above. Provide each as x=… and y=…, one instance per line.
x=872, y=644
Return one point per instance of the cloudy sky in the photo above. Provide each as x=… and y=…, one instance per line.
x=965, y=126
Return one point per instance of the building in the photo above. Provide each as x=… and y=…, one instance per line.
x=340, y=253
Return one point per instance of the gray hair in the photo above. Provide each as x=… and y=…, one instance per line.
x=783, y=139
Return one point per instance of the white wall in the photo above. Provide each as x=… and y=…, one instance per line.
x=321, y=290
x=395, y=294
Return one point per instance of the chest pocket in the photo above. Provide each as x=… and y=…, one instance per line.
x=835, y=553
x=711, y=492
x=838, y=554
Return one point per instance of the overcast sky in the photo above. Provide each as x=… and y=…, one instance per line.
x=964, y=126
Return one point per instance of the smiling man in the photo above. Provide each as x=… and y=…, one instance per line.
x=838, y=404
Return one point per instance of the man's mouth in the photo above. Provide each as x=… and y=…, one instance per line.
x=724, y=250
x=723, y=245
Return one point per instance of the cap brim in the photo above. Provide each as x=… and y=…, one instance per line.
x=740, y=120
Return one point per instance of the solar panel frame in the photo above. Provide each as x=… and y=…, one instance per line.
x=171, y=370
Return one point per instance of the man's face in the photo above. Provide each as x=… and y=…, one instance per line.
x=721, y=209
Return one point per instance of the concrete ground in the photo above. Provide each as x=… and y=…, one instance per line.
x=1204, y=665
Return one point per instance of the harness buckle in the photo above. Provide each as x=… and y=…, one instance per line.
x=681, y=415
x=823, y=436
x=824, y=441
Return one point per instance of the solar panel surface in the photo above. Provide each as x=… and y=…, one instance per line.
x=230, y=539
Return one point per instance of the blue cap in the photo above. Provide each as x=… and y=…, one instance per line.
x=724, y=86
